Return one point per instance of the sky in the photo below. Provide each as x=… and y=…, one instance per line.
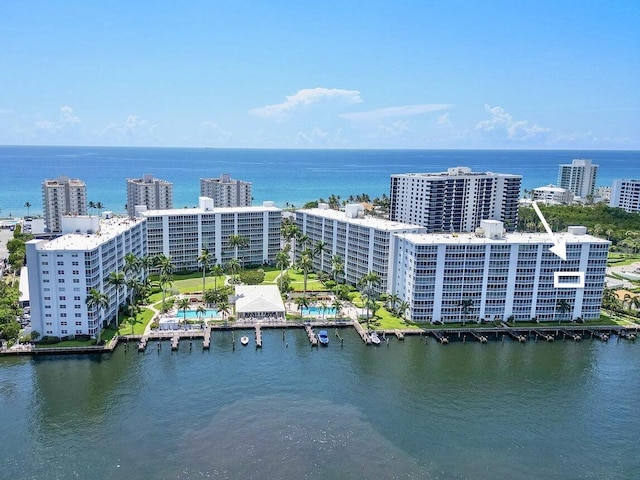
x=321, y=74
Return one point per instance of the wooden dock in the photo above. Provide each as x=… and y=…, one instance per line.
x=206, y=343
x=399, y=335
x=362, y=332
x=479, y=337
x=546, y=335
x=439, y=336
x=258, y=336
x=576, y=337
x=142, y=344
x=174, y=341
x=313, y=338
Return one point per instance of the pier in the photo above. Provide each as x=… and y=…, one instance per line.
x=207, y=338
x=576, y=337
x=362, y=332
x=546, y=335
x=313, y=338
x=439, y=336
x=399, y=335
x=174, y=341
x=258, y=336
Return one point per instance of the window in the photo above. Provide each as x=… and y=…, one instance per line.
x=61, y=280
x=60, y=272
x=76, y=280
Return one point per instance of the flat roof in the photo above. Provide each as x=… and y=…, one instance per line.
x=509, y=238
x=109, y=229
x=201, y=211
x=366, y=221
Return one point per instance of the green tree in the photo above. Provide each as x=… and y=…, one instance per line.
x=28, y=207
x=368, y=289
x=282, y=262
x=302, y=303
x=204, y=260
x=465, y=306
x=184, y=304
x=236, y=242
x=338, y=306
x=305, y=263
x=99, y=301
x=216, y=271
x=117, y=279
x=563, y=307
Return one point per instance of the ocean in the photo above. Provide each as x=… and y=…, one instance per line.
x=291, y=177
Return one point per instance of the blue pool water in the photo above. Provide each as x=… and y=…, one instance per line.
x=317, y=311
x=193, y=315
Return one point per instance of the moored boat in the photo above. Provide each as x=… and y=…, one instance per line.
x=375, y=339
x=244, y=340
x=323, y=337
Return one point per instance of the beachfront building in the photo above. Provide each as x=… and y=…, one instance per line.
x=552, y=195
x=625, y=194
x=579, y=177
x=63, y=271
x=363, y=243
x=62, y=196
x=490, y=276
x=153, y=193
x=226, y=191
x=183, y=233
x=455, y=200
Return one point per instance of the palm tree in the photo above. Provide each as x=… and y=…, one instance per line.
x=201, y=311
x=91, y=206
x=132, y=266
x=99, y=206
x=204, y=260
x=305, y=263
x=134, y=286
x=27, y=206
x=100, y=301
x=233, y=267
x=337, y=267
x=318, y=249
x=337, y=305
x=323, y=308
x=184, y=304
x=302, y=302
x=282, y=262
x=465, y=305
x=367, y=285
x=392, y=301
x=223, y=306
x=118, y=280
x=563, y=307
x=165, y=269
x=402, y=309
x=236, y=241
x=146, y=263
x=216, y=271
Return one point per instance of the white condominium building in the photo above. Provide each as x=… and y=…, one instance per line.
x=63, y=271
x=625, y=194
x=579, y=177
x=362, y=243
x=226, y=191
x=552, y=195
x=151, y=192
x=183, y=233
x=455, y=200
x=448, y=278
x=62, y=196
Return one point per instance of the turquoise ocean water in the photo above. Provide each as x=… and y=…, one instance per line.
x=293, y=176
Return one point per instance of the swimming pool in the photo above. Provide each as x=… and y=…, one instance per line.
x=193, y=315
x=317, y=311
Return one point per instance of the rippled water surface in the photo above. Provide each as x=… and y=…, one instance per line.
x=406, y=410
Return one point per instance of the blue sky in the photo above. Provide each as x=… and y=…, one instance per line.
x=329, y=74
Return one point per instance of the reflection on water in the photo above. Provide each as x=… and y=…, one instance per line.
x=406, y=410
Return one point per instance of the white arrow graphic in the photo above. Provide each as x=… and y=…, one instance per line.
x=559, y=246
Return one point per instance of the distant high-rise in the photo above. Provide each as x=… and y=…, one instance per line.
x=226, y=191
x=151, y=192
x=456, y=200
x=579, y=177
x=62, y=196
x=626, y=194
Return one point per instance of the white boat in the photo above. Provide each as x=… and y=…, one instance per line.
x=244, y=340
x=375, y=339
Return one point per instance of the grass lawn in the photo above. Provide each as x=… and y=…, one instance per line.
x=270, y=276
x=622, y=259
x=138, y=328
x=69, y=343
x=296, y=280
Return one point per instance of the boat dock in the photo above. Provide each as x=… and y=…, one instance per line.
x=313, y=338
x=399, y=335
x=546, y=335
x=362, y=332
x=443, y=339
x=206, y=343
x=258, y=337
x=479, y=337
x=576, y=337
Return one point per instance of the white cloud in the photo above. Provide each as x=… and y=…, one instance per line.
x=316, y=136
x=502, y=124
x=444, y=119
x=214, y=132
x=65, y=118
x=390, y=112
x=306, y=97
x=134, y=130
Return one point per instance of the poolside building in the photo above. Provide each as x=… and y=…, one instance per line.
x=363, y=243
x=183, y=233
x=63, y=271
x=491, y=276
x=455, y=200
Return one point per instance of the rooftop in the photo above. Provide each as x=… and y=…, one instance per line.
x=456, y=172
x=366, y=221
x=109, y=228
x=509, y=238
x=198, y=210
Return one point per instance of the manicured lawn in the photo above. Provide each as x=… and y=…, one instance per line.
x=138, y=328
x=270, y=276
x=69, y=343
x=296, y=280
x=622, y=259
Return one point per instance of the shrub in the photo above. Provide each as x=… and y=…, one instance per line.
x=252, y=277
x=49, y=340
